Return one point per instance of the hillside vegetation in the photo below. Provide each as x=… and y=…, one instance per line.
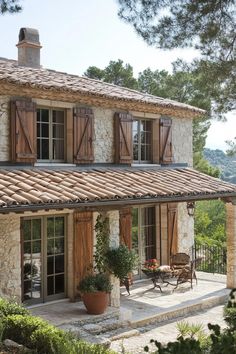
x=226, y=164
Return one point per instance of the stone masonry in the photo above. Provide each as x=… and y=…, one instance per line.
x=10, y=256
x=4, y=128
x=182, y=140
x=231, y=244
x=185, y=230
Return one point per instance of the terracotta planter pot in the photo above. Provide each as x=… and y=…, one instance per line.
x=96, y=303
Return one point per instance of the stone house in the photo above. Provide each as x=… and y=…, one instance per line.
x=71, y=148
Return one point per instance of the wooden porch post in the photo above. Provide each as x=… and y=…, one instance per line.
x=231, y=243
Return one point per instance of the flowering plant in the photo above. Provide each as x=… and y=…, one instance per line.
x=150, y=265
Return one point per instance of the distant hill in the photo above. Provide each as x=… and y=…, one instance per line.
x=226, y=164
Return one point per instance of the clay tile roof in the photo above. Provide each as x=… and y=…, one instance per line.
x=76, y=187
x=47, y=79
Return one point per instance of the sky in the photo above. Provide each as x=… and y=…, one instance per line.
x=77, y=34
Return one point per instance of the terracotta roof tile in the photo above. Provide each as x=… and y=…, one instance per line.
x=76, y=186
x=42, y=78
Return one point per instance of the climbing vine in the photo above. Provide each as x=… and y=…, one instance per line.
x=102, y=237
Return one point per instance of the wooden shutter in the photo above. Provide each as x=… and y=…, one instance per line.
x=123, y=138
x=172, y=227
x=166, y=141
x=23, y=130
x=83, y=135
x=83, y=247
x=126, y=227
x=156, y=141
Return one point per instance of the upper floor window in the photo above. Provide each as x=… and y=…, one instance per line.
x=142, y=141
x=50, y=135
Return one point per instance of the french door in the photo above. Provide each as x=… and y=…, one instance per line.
x=43, y=258
x=143, y=235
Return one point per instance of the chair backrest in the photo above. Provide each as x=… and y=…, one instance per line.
x=180, y=259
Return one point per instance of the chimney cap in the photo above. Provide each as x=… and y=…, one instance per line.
x=29, y=35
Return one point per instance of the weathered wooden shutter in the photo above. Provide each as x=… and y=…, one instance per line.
x=23, y=130
x=123, y=138
x=172, y=227
x=83, y=135
x=83, y=246
x=166, y=141
x=126, y=227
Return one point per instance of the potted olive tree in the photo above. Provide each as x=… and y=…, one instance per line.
x=121, y=261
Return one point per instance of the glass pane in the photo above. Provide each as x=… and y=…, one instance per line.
x=58, y=149
x=50, y=246
x=50, y=265
x=44, y=115
x=58, y=131
x=50, y=227
x=27, y=229
x=59, y=284
x=45, y=149
x=59, y=264
x=27, y=248
x=27, y=270
x=36, y=247
x=58, y=117
x=135, y=152
x=50, y=285
x=27, y=290
x=59, y=226
x=38, y=130
x=38, y=149
x=59, y=245
x=36, y=229
x=45, y=130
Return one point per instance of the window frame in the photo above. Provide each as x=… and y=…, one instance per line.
x=140, y=144
x=50, y=110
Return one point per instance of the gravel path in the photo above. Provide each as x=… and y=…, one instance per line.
x=166, y=332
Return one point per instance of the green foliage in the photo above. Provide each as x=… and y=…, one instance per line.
x=224, y=162
x=121, y=261
x=9, y=6
x=102, y=242
x=181, y=346
x=209, y=26
x=11, y=308
x=230, y=317
x=231, y=151
x=95, y=282
x=210, y=222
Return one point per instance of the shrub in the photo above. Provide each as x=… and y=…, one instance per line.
x=95, y=282
x=11, y=308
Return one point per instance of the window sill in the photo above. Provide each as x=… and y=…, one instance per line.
x=145, y=165
x=54, y=164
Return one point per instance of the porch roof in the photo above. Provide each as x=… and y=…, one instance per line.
x=35, y=188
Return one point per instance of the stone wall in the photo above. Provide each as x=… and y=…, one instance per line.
x=104, y=135
x=185, y=230
x=182, y=140
x=10, y=257
x=4, y=128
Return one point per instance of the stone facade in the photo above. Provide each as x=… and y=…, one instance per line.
x=182, y=140
x=4, y=128
x=231, y=244
x=10, y=256
x=185, y=230
x=104, y=135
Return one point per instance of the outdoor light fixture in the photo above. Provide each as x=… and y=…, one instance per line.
x=190, y=208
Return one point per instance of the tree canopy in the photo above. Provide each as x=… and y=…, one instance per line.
x=9, y=6
x=209, y=26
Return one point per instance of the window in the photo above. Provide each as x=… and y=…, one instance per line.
x=144, y=234
x=50, y=135
x=43, y=257
x=142, y=136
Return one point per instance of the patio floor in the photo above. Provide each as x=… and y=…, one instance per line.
x=145, y=304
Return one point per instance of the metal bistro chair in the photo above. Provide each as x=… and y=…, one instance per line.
x=188, y=273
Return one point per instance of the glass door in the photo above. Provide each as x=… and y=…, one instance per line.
x=43, y=259
x=143, y=235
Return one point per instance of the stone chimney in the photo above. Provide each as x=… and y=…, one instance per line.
x=29, y=48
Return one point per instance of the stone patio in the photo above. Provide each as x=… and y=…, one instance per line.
x=143, y=306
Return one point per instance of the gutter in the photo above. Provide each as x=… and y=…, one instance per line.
x=114, y=202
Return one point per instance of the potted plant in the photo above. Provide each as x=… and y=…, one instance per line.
x=150, y=266
x=95, y=289
x=121, y=261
